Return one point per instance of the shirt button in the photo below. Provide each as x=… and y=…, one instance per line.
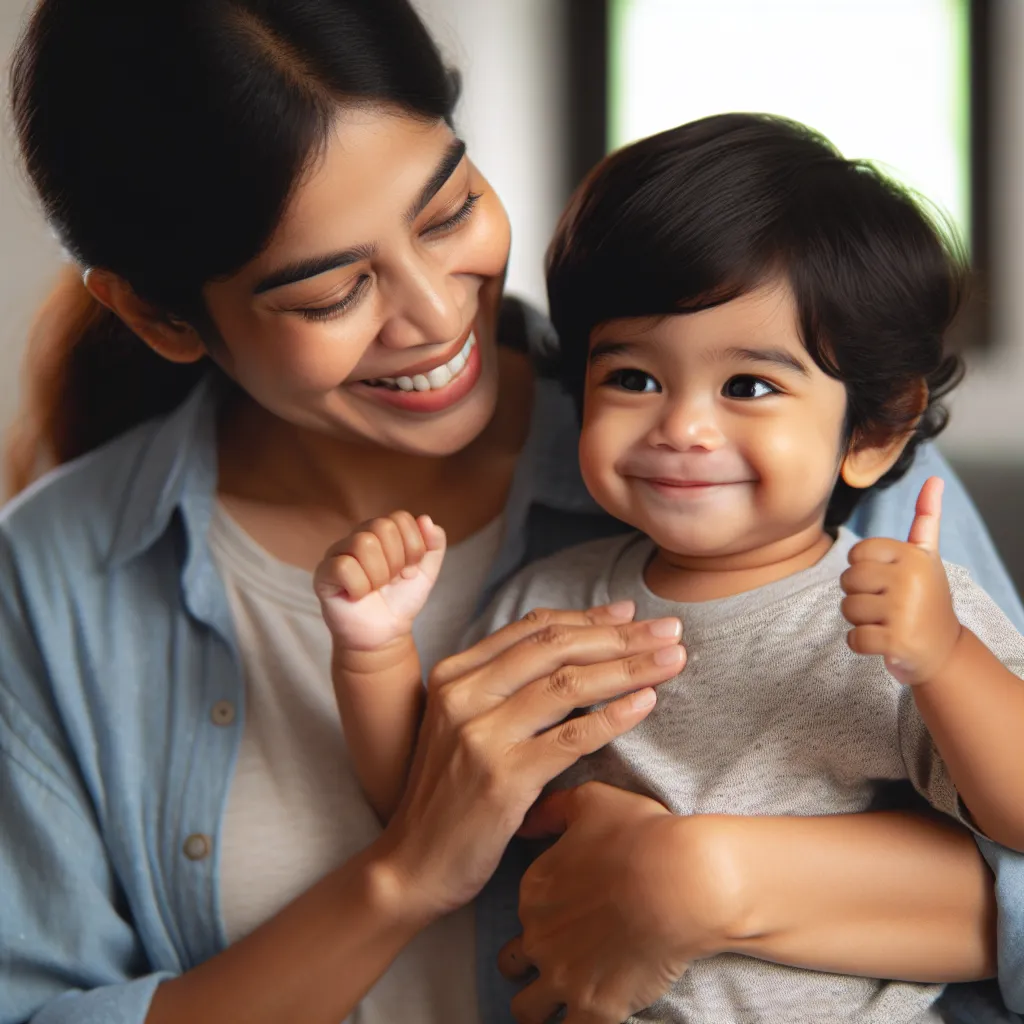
x=197, y=846
x=223, y=713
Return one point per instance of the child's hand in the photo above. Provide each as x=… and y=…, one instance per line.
x=373, y=583
x=898, y=597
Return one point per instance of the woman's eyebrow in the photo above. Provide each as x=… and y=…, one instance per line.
x=313, y=266
x=444, y=170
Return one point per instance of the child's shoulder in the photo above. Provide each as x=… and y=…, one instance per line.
x=977, y=610
x=575, y=577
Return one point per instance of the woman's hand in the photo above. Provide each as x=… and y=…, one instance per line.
x=614, y=912
x=495, y=732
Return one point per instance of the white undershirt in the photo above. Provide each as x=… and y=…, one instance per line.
x=295, y=809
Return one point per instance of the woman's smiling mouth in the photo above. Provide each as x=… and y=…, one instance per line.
x=430, y=380
x=431, y=390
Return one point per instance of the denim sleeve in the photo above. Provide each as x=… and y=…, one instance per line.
x=68, y=951
x=964, y=540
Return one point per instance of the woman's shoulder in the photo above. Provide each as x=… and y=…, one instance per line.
x=83, y=513
x=80, y=497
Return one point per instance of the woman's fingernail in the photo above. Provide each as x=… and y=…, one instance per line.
x=621, y=610
x=666, y=627
x=644, y=698
x=669, y=655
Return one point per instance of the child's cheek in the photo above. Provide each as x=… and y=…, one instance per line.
x=598, y=456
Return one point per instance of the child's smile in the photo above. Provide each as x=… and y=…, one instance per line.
x=714, y=432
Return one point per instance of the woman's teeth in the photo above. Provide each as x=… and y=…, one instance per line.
x=432, y=380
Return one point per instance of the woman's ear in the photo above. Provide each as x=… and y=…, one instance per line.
x=867, y=461
x=173, y=339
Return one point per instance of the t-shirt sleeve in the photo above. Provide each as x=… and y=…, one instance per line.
x=573, y=579
x=502, y=610
x=925, y=767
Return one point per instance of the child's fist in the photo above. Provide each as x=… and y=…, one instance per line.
x=897, y=596
x=373, y=583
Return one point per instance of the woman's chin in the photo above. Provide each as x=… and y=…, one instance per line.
x=446, y=433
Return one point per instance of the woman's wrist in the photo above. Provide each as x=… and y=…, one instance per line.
x=397, y=883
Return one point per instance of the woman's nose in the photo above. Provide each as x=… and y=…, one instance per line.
x=426, y=305
x=688, y=423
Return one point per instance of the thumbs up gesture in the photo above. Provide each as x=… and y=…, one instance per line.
x=897, y=597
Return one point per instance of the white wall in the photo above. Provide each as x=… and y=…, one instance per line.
x=988, y=408
x=29, y=255
x=509, y=53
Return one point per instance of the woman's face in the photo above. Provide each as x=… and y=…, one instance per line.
x=371, y=314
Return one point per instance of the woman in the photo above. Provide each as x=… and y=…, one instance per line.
x=270, y=196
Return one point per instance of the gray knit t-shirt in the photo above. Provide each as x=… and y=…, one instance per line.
x=772, y=715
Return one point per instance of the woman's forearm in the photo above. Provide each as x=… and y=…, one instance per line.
x=312, y=962
x=884, y=895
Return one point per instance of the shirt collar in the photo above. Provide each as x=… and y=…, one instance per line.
x=176, y=472
x=176, y=466
x=175, y=469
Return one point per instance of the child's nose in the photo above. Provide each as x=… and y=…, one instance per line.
x=687, y=424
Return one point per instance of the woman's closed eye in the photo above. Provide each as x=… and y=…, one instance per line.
x=446, y=226
x=745, y=386
x=319, y=313
x=451, y=223
x=633, y=380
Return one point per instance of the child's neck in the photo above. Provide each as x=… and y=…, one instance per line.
x=687, y=578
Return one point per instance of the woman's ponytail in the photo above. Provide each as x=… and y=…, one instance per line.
x=86, y=379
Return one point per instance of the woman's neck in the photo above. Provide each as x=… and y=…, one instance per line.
x=296, y=491
x=686, y=579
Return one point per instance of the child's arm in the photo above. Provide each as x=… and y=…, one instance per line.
x=371, y=586
x=899, y=603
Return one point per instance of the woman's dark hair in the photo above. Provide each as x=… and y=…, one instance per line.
x=696, y=216
x=164, y=138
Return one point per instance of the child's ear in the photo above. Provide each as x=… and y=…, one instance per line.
x=868, y=459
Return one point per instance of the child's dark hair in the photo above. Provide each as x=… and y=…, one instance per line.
x=701, y=214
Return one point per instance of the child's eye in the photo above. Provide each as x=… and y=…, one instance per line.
x=745, y=386
x=634, y=380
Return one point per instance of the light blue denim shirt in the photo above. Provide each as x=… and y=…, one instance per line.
x=117, y=655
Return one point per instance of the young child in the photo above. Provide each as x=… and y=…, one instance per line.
x=753, y=327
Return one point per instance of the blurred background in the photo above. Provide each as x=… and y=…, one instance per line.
x=933, y=90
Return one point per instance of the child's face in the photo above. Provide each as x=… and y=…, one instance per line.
x=715, y=433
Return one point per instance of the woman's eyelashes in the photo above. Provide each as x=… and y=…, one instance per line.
x=317, y=313
x=449, y=224
x=460, y=216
